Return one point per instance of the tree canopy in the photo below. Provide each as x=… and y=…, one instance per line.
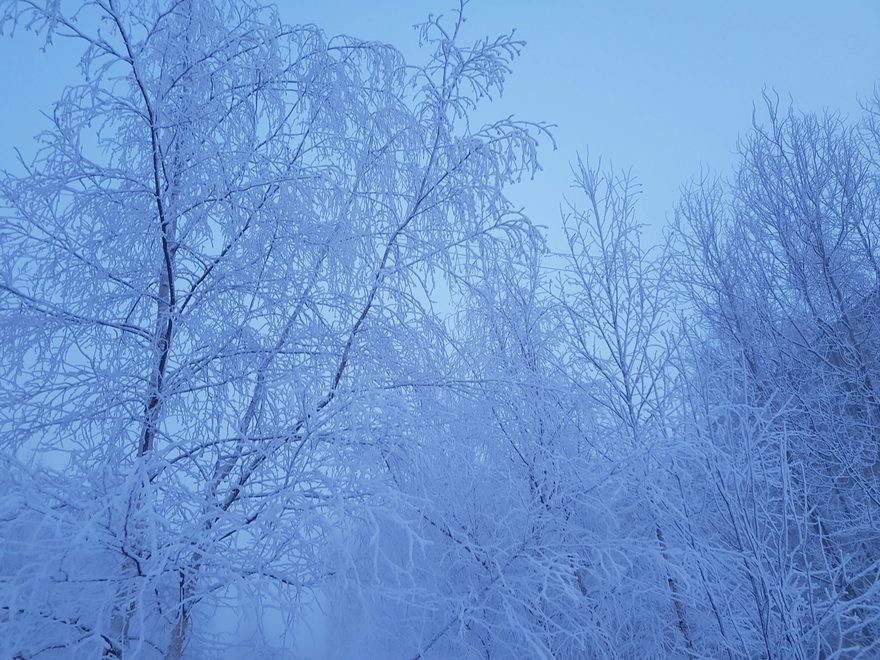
x=284, y=370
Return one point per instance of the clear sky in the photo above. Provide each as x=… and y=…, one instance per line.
x=659, y=87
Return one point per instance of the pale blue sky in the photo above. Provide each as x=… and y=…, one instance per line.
x=661, y=87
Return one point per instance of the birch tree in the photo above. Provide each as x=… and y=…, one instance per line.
x=214, y=270
x=614, y=299
x=779, y=260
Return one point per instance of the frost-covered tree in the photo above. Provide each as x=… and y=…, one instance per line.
x=284, y=372
x=217, y=287
x=614, y=303
x=780, y=263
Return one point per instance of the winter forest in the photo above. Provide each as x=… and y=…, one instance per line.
x=286, y=373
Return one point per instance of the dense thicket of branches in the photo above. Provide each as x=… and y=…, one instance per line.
x=283, y=371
